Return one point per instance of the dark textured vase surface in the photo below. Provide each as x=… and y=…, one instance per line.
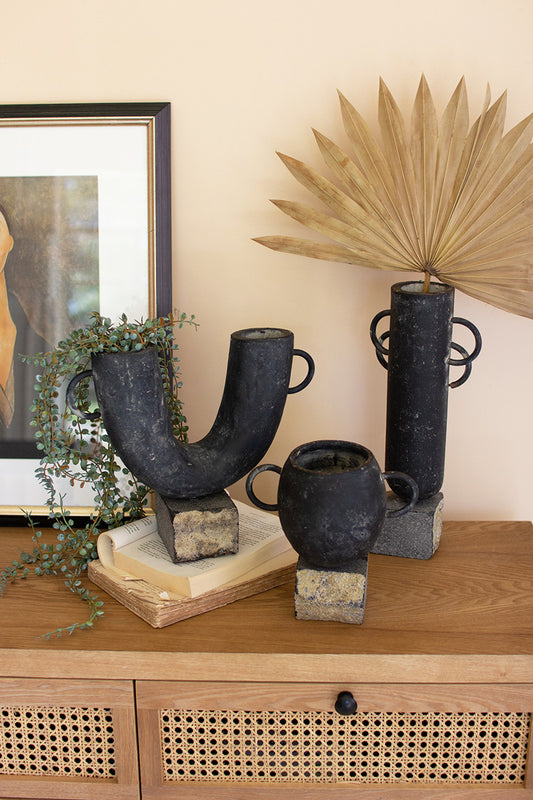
x=331, y=500
x=131, y=400
x=419, y=348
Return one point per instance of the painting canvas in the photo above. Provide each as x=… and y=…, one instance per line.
x=49, y=258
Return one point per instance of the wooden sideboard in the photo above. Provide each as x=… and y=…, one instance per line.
x=239, y=702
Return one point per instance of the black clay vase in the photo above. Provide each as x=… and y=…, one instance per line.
x=418, y=359
x=332, y=500
x=131, y=401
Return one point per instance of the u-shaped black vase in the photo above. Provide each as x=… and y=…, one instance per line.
x=131, y=401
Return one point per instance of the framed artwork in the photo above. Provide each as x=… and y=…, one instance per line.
x=85, y=225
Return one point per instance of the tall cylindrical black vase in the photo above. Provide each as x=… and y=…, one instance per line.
x=419, y=348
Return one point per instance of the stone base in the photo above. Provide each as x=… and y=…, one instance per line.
x=333, y=595
x=415, y=534
x=199, y=528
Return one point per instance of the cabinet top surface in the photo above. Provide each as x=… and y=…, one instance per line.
x=471, y=604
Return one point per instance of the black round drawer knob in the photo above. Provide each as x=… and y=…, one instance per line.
x=345, y=704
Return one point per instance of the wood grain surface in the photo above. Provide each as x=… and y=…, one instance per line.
x=464, y=615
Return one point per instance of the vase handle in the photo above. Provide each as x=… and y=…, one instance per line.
x=71, y=400
x=468, y=366
x=377, y=341
x=310, y=372
x=413, y=486
x=249, y=486
x=469, y=357
x=466, y=357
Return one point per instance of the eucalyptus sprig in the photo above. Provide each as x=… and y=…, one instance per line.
x=79, y=451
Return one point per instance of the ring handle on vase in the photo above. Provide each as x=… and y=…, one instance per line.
x=310, y=372
x=249, y=486
x=71, y=400
x=377, y=341
x=460, y=362
x=468, y=366
x=413, y=486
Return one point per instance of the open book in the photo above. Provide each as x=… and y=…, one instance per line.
x=137, y=549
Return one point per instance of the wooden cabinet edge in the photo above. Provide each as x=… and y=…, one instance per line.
x=265, y=667
x=321, y=696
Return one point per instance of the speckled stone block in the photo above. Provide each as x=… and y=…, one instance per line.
x=332, y=595
x=415, y=534
x=199, y=528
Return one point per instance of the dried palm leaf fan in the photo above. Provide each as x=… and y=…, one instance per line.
x=453, y=202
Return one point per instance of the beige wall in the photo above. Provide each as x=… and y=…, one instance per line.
x=248, y=77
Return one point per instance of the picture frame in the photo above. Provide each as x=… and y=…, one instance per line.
x=85, y=202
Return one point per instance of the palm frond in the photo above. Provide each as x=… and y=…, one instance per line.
x=440, y=196
x=356, y=235
x=424, y=139
x=400, y=161
x=373, y=165
x=359, y=188
x=324, y=252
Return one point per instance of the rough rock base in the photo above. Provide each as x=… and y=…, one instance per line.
x=336, y=595
x=200, y=528
x=415, y=534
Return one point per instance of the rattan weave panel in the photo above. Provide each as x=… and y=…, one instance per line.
x=323, y=747
x=38, y=740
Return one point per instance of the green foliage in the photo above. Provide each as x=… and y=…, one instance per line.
x=80, y=452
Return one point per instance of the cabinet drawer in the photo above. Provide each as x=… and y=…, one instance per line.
x=64, y=739
x=260, y=740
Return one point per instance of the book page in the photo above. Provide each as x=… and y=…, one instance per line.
x=109, y=541
x=260, y=538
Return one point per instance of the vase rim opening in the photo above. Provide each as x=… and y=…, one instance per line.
x=261, y=333
x=417, y=287
x=329, y=456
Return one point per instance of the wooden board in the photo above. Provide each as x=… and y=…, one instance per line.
x=463, y=616
x=146, y=600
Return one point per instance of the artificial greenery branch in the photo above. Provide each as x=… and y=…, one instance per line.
x=78, y=451
x=67, y=558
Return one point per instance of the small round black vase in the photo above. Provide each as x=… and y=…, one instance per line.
x=331, y=500
x=419, y=358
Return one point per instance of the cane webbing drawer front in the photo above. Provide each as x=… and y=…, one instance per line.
x=67, y=738
x=268, y=737
x=57, y=740
x=321, y=747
